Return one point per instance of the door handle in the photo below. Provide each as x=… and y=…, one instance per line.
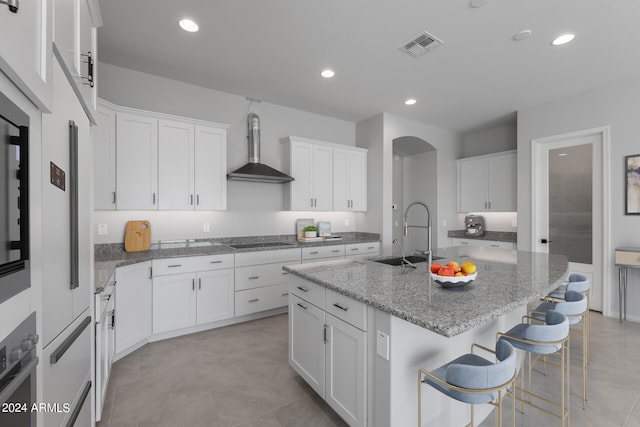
x=545, y=241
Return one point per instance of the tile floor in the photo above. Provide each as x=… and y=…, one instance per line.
x=239, y=376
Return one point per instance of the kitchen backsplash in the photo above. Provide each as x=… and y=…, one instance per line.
x=493, y=221
x=168, y=225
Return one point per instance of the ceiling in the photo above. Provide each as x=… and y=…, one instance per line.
x=274, y=51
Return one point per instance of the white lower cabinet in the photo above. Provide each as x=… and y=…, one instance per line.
x=362, y=250
x=199, y=293
x=455, y=241
x=133, y=305
x=323, y=253
x=327, y=347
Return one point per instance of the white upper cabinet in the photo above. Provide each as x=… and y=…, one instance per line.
x=488, y=183
x=136, y=162
x=349, y=179
x=326, y=176
x=25, y=49
x=104, y=155
x=192, y=166
x=75, y=41
x=175, y=165
x=210, y=178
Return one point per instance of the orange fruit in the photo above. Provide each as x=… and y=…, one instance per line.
x=454, y=266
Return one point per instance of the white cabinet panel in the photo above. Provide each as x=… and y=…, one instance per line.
x=25, y=49
x=175, y=165
x=210, y=168
x=345, y=381
x=362, y=250
x=310, y=164
x=322, y=252
x=215, y=298
x=261, y=299
x=136, y=162
x=257, y=276
x=174, y=302
x=322, y=178
x=306, y=346
x=104, y=159
x=349, y=179
x=347, y=309
x=487, y=183
x=133, y=305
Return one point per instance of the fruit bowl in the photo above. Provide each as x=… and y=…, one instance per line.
x=453, y=281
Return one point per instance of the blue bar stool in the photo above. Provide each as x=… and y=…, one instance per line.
x=578, y=283
x=543, y=337
x=574, y=306
x=473, y=379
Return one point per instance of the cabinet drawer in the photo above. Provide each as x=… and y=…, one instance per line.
x=306, y=290
x=163, y=267
x=317, y=252
x=347, y=309
x=65, y=375
x=290, y=256
x=261, y=299
x=362, y=249
x=257, y=276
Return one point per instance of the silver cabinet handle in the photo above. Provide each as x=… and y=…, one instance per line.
x=285, y=272
x=302, y=306
x=303, y=289
x=254, y=300
x=191, y=201
x=254, y=277
x=199, y=283
x=193, y=284
x=324, y=333
x=114, y=196
x=313, y=253
x=174, y=265
x=215, y=262
x=371, y=247
x=335, y=251
x=285, y=294
x=198, y=199
x=154, y=198
x=311, y=202
x=355, y=249
x=340, y=307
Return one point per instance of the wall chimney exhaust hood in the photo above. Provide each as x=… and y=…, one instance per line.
x=254, y=170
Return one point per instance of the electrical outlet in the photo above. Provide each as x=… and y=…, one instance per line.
x=103, y=230
x=206, y=227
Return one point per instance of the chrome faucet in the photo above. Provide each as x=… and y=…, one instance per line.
x=404, y=260
x=429, y=251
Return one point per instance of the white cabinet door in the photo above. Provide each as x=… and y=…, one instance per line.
x=174, y=302
x=322, y=178
x=215, y=296
x=25, y=49
x=306, y=344
x=472, y=185
x=104, y=159
x=349, y=180
x=136, y=162
x=133, y=305
x=345, y=384
x=503, y=183
x=301, y=189
x=175, y=165
x=210, y=168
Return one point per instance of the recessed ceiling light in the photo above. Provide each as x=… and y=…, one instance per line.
x=327, y=74
x=522, y=35
x=188, y=25
x=410, y=101
x=562, y=39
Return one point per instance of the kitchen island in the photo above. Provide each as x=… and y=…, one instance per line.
x=409, y=322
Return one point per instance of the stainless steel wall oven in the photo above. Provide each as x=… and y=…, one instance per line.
x=14, y=199
x=18, y=363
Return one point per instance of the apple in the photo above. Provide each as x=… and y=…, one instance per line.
x=446, y=271
x=435, y=267
x=454, y=266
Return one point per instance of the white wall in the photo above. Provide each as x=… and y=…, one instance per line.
x=488, y=141
x=369, y=135
x=420, y=185
x=617, y=106
x=253, y=208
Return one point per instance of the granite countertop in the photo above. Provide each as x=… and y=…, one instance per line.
x=109, y=256
x=496, y=236
x=507, y=280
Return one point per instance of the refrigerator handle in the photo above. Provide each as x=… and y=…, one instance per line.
x=73, y=166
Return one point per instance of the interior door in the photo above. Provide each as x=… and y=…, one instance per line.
x=568, y=205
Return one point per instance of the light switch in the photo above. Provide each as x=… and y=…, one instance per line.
x=382, y=345
x=102, y=230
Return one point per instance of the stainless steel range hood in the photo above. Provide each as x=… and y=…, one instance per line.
x=254, y=170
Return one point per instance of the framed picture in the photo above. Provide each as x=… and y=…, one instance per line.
x=632, y=184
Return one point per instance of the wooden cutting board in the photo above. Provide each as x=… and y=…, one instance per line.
x=137, y=236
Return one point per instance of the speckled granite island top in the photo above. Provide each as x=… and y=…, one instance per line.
x=506, y=280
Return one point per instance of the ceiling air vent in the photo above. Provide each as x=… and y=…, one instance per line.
x=421, y=44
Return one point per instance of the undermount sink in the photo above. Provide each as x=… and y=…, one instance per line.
x=410, y=258
x=258, y=245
